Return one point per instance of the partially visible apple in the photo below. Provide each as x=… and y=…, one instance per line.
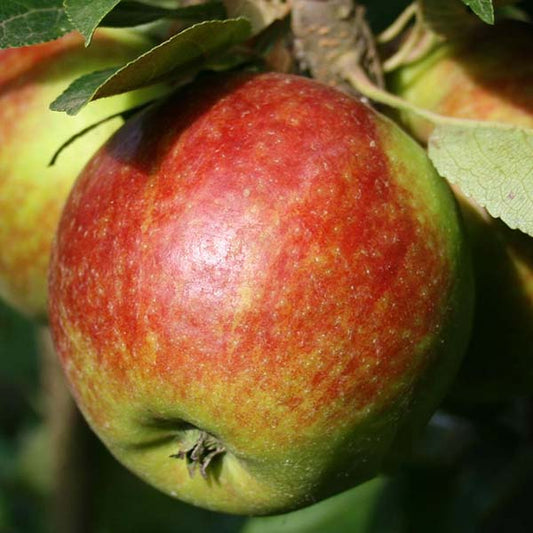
x=487, y=76
x=31, y=192
x=258, y=290
x=499, y=361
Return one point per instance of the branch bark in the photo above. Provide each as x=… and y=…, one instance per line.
x=326, y=32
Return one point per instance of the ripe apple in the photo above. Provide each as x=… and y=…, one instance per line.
x=486, y=77
x=32, y=193
x=257, y=290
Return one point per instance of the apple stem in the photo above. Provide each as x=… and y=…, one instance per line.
x=397, y=27
x=348, y=68
x=417, y=44
x=200, y=455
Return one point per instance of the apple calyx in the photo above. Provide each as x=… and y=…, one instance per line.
x=200, y=454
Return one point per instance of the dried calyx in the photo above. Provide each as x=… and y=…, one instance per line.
x=201, y=453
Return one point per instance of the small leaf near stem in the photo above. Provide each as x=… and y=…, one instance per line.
x=482, y=8
x=201, y=453
x=259, y=13
x=170, y=62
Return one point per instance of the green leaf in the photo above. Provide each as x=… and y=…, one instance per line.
x=134, y=13
x=483, y=9
x=81, y=91
x=491, y=163
x=86, y=16
x=25, y=22
x=172, y=60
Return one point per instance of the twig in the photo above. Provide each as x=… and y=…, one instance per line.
x=398, y=25
x=351, y=72
x=401, y=56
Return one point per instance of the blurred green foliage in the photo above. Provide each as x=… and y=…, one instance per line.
x=19, y=386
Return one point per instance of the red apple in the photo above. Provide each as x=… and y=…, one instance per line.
x=258, y=290
x=31, y=192
x=486, y=76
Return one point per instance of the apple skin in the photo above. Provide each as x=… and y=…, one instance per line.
x=486, y=77
x=268, y=261
x=32, y=193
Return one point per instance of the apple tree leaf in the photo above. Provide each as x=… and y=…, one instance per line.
x=173, y=59
x=26, y=22
x=482, y=8
x=131, y=13
x=491, y=163
x=86, y=16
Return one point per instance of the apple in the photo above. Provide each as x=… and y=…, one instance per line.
x=258, y=290
x=32, y=193
x=499, y=361
x=486, y=77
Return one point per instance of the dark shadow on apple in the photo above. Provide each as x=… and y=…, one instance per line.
x=143, y=147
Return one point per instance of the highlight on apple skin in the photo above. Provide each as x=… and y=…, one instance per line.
x=259, y=289
x=32, y=193
x=487, y=76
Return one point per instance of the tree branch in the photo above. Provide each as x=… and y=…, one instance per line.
x=324, y=31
